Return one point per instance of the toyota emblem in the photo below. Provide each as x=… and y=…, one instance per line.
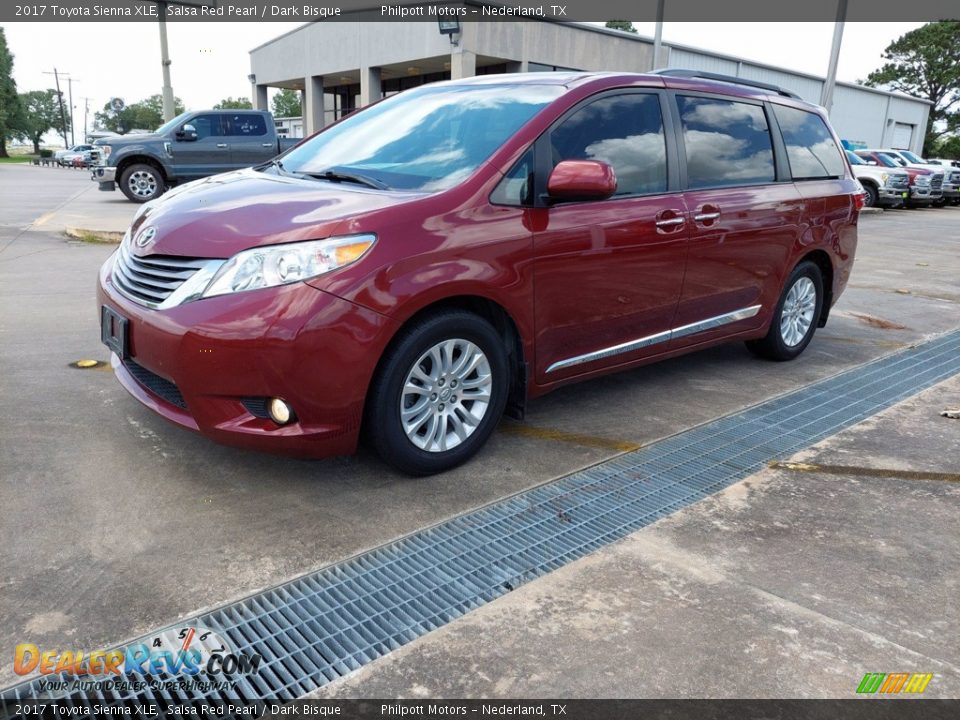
x=145, y=236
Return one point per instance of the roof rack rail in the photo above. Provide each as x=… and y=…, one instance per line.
x=703, y=75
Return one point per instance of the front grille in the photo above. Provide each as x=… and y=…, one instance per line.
x=936, y=182
x=899, y=181
x=161, y=387
x=256, y=406
x=153, y=278
x=955, y=178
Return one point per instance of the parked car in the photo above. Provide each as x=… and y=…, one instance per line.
x=882, y=186
x=66, y=157
x=193, y=145
x=951, y=178
x=446, y=254
x=922, y=190
x=905, y=158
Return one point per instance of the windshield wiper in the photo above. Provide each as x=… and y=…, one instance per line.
x=338, y=176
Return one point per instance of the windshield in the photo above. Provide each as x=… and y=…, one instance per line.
x=168, y=126
x=854, y=159
x=426, y=139
x=911, y=157
x=890, y=161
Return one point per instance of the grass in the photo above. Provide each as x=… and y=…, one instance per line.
x=16, y=159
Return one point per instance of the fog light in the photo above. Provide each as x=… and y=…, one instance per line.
x=280, y=412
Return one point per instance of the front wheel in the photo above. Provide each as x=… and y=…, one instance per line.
x=439, y=393
x=141, y=182
x=871, y=196
x=795, y=318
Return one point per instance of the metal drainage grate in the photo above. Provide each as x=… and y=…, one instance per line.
x=319, y=627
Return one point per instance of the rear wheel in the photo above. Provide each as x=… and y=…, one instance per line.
x=871, y=197
x=795, y=318
x=439, y=393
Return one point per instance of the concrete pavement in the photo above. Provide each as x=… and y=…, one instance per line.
x=790, y=583
x=116, y=522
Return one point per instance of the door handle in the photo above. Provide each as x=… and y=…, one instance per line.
x=221, y=145
x=266, y=144
x=670, y=222
x=700, y=217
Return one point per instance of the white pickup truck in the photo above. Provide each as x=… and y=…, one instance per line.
x=884, y=187
x=949, y=186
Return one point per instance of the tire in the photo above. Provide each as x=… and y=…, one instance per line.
x=872, y=196
x=429, y=430
x=141, y=182
x=793, y=324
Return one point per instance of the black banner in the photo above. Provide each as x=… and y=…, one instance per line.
x=472, y=10
x=875, y=708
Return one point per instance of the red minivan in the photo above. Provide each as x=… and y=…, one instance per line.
x=435, y=260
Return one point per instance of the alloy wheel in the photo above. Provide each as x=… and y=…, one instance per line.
x=796, y=317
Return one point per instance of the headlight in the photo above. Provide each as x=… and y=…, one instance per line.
x=105, y=151
x=284, y=264
x=883, y=178
x=923, y=180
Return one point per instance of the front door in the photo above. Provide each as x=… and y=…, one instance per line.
x=209, y=154
x=608, y=273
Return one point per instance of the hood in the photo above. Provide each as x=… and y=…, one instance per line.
x=138, y=139
x=219, y=216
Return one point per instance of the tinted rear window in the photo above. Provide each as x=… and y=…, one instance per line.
x=811, y=150
x=726, y=142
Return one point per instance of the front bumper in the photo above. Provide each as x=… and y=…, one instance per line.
x=892, y=196
x=950, y=190
x=924, y=193
x=315, y=350
x=104, y=175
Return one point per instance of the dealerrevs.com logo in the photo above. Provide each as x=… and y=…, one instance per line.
x=185, y=654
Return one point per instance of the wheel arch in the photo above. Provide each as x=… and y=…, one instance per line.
x=821, y=259
x=501, y=320
x=141, y=159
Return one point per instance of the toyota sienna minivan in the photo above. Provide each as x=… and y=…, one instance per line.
x=425, y=265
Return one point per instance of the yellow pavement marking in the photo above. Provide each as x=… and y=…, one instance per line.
x=865, y=471
x=43, y=219
x=568, y=437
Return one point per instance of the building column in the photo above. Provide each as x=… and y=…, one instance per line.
x=371, y=88
x=259, y=93
x=463, y=63
x=313, y=107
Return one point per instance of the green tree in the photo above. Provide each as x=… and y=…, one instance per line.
x=144, y=115
x=229, y=103
x=947, y=146
x=926, y=62
x=622, y=25
x=10, y=112
x=39, y=112
x=286, y=103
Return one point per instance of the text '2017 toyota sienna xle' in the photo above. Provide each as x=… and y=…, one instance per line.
x=443, y=255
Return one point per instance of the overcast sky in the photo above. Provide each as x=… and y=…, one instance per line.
x=211, y=60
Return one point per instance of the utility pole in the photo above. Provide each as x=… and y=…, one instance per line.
x=86, y=114
x=826, y=97
x=657, y=35
x=73, y=140
x=168, y=110
x=63, y=117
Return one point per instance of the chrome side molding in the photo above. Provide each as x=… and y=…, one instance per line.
x=682, y=331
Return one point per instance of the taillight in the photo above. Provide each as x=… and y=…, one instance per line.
x=859, y=200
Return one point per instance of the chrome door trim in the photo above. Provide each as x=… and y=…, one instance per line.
x=682, y=331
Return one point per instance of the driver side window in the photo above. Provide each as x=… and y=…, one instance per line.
x=207, y=126
x=626, y=132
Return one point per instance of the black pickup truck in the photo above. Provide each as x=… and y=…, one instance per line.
x=193, y=145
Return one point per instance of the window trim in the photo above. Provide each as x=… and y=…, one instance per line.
x=780, y=168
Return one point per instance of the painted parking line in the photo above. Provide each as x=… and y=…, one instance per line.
x=322, y=626
x=869, y=472
x=592, y=441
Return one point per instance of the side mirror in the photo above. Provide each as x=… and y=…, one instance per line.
x=187, y=132
x=581, y=180
x=871, y=162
